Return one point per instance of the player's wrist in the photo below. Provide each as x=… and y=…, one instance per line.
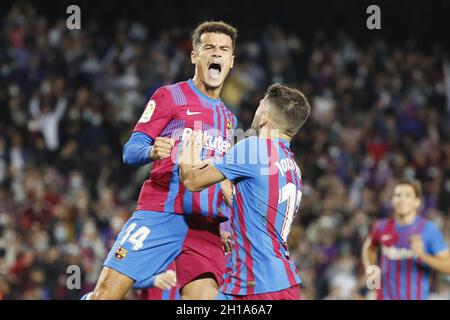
x=150, y=153
x=184, y=170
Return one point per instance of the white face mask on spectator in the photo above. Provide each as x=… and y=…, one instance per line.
x=117, y=223
x=46, y=88
x=60, y=233
x=42, y=244
x=76, y=182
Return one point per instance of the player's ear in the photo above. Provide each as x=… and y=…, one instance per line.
x=264, y=119
x=418, y=203
x=232, y=62
x=194, y=56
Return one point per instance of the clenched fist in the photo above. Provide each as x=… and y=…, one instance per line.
x=162, y=148
x=166, y=280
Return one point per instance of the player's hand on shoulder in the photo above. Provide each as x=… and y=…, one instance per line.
x=162, y=148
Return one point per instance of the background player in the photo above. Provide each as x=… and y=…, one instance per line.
x=268, y=191
x=158, y=232
x=409, y=247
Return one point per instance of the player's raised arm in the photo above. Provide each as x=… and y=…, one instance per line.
x=144, y=144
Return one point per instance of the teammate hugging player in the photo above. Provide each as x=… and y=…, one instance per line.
x=268, y=190
x=411, y=246
x=170, y=221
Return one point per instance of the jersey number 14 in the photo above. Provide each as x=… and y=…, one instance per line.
x=137, y=238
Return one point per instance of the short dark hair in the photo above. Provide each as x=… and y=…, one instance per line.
x=291, y=108
x=213, y=27
x=413, y=183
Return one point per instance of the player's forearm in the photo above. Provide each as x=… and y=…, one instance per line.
x=137, y=150
x=196, y=178
x=369, y=254
x=187, y=176
x=441, y=264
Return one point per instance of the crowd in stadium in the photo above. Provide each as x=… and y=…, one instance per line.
x=69, y=101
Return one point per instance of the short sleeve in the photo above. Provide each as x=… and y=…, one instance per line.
x=433, y=239
x=237, y=163
x=157, y=114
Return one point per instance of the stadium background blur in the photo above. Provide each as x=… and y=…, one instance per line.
x=69, y=100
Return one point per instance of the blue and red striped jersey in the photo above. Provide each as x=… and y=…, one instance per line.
x=268, y=190
x=175, y=111
x=403, y=275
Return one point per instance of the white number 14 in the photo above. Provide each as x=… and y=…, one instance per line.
x=137, y=238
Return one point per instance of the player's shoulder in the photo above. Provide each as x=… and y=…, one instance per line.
x=246, y=145
x=161, y=94
x=431, y=232
x=382, y=223
x=428, y=225
x=227, y=109
x=174, y=93
x=249, y=140
x=174, y=86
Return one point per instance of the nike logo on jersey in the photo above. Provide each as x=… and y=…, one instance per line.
x=386, y=237
x=189, y=113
